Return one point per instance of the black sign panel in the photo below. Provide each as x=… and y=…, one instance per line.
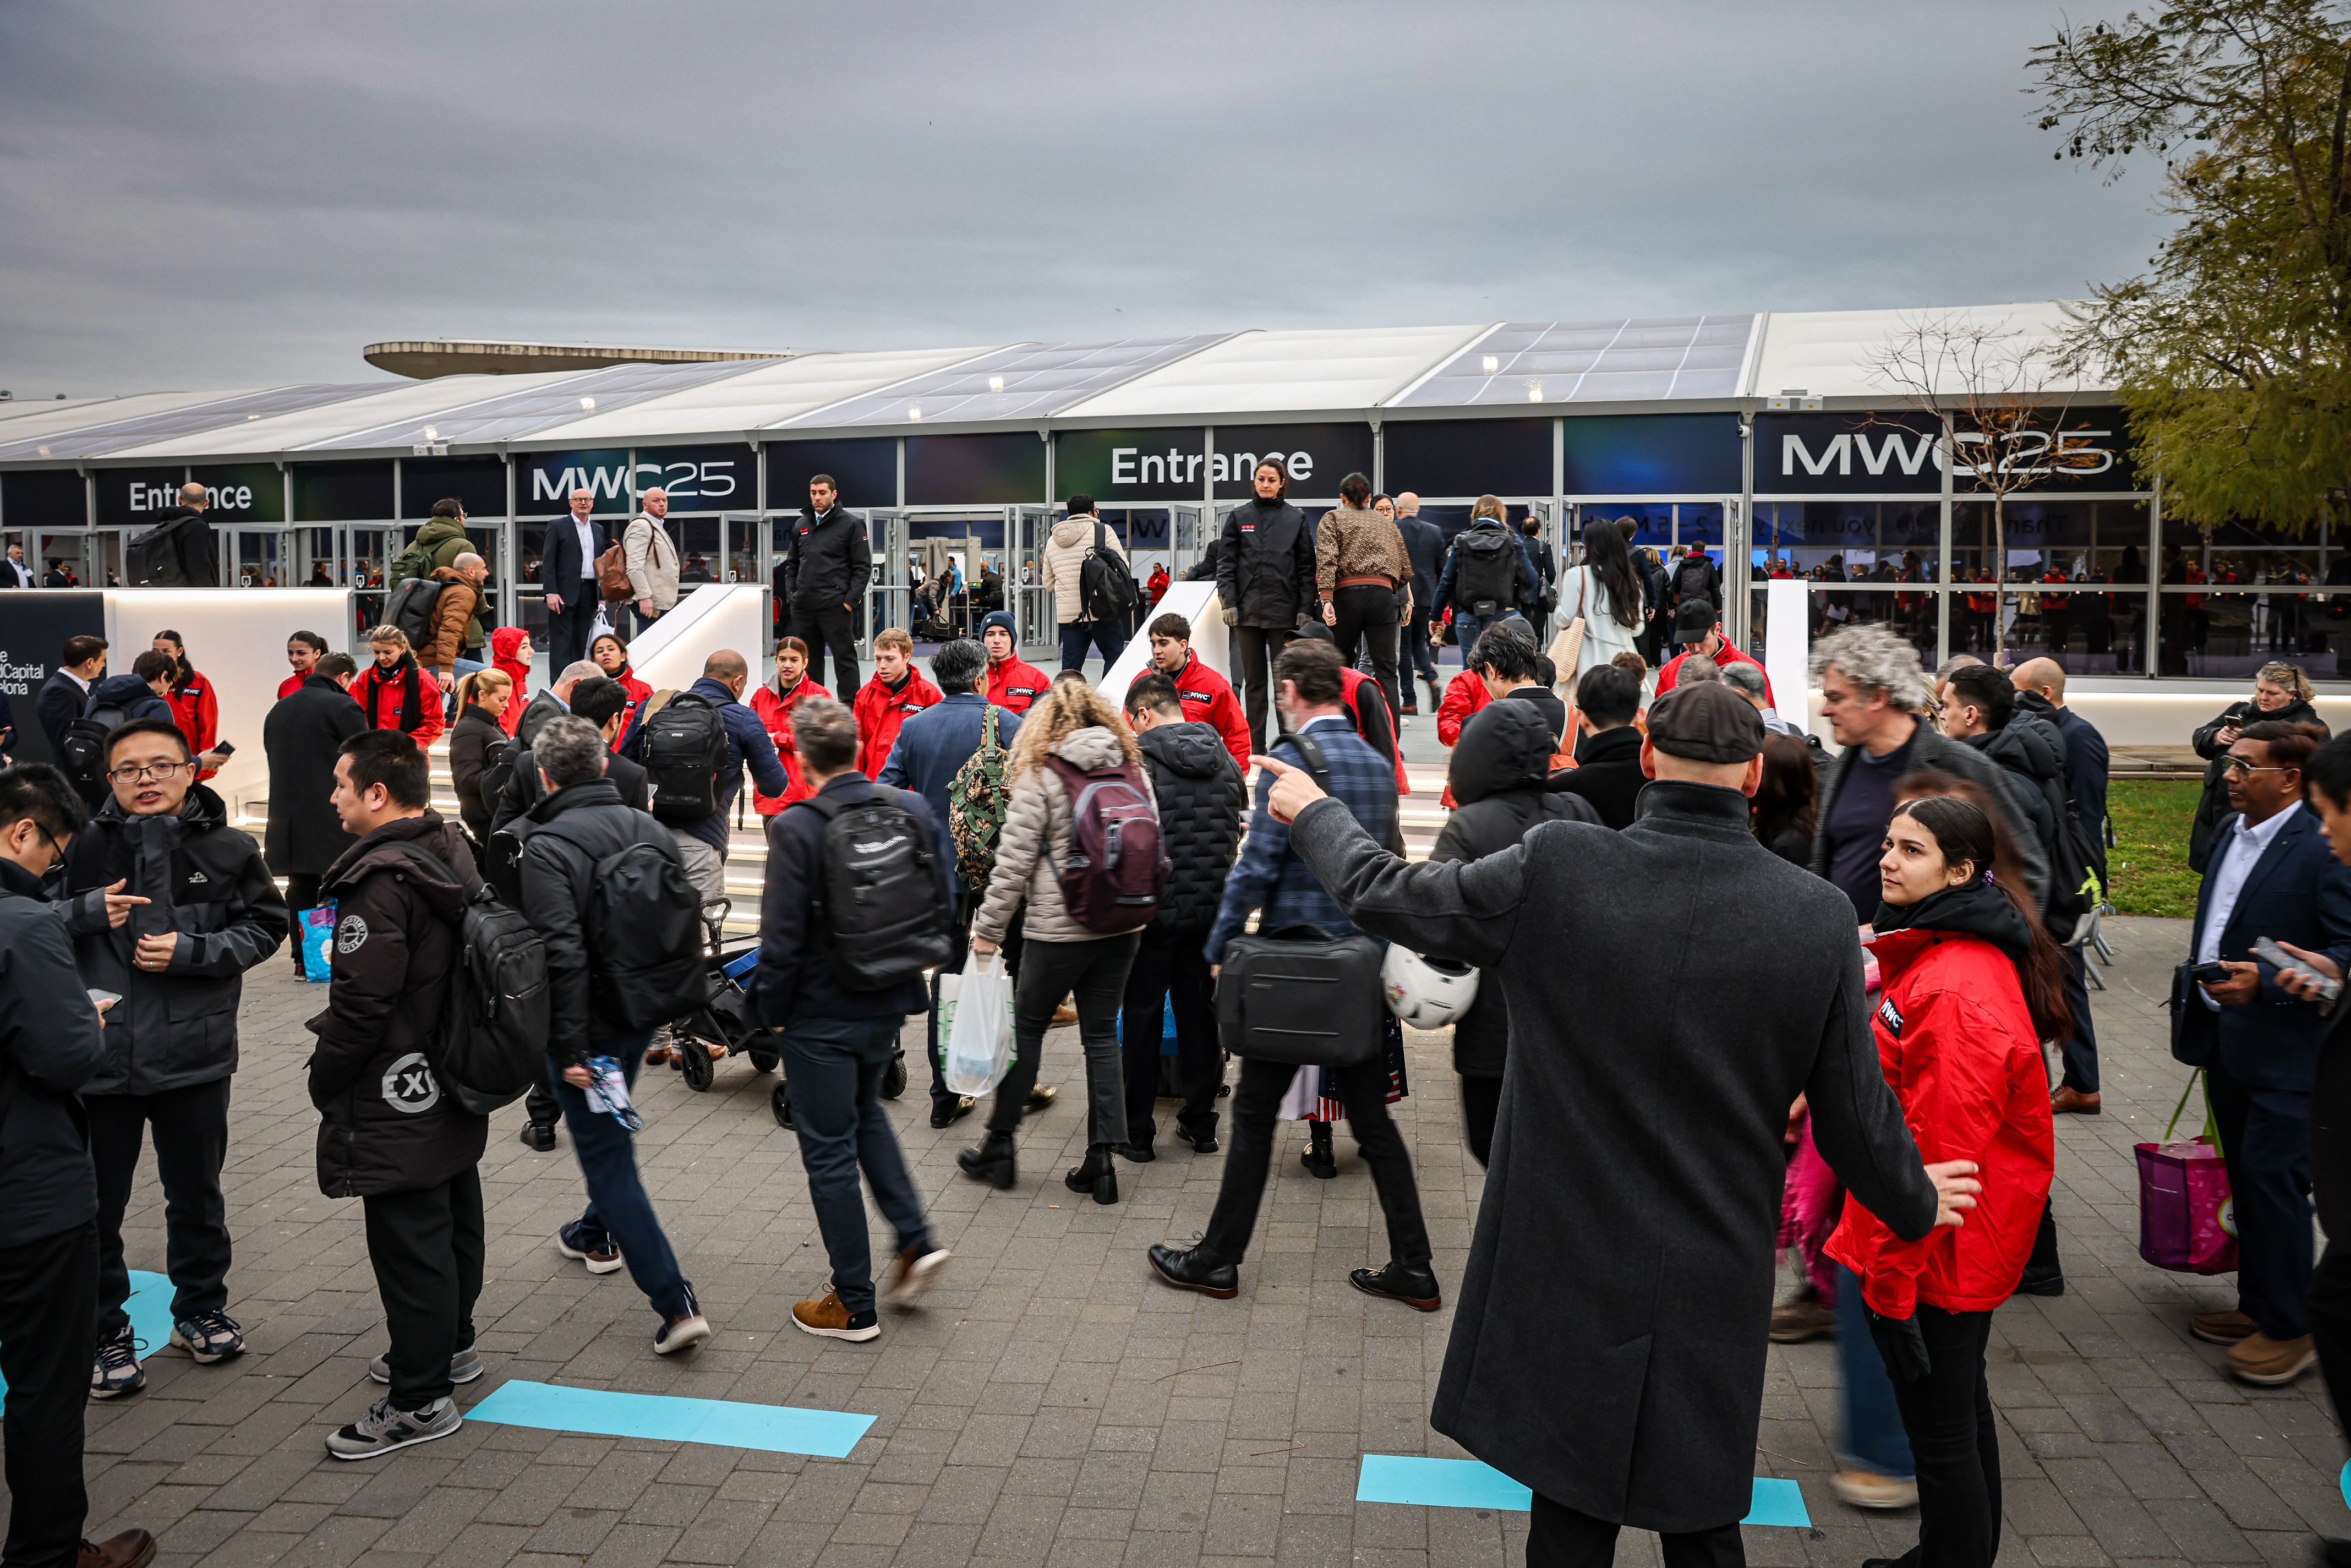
x=699, y=478
x=34, y=627
x=136, y=497
x=43, y=499
x=342, y=492
x=973, y=470
x=865, y=471
x=1121, y=466
x=243, y=492
x=1315, y=457
x=1901, y=454
x=1468, y=458
x=478, y=484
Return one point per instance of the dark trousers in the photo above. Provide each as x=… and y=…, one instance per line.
x=2265, y=1137
x=301, y=893
x=425, y=1247
x=1094, y=974
x=1171, y=970
x=2082, y=1046
x=1954, y=1443
x=617, y=1205
x=829, y=627
x=835, y=1068
x=539, y=1106
x=1367, y=616
x=1481, y=1101
x=637, y=620
x=1254, y=650
x=2330, y=1324
x=1106, y=637
x=1362, y=1091
x=1418, y=656
x=190, y=1145
x=567, y=634
x=49, y=1314
x=1559, y=1537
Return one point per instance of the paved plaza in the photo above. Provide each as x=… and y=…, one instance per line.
x=1050, y=1404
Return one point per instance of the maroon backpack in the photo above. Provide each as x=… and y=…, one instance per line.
x=1117, y=869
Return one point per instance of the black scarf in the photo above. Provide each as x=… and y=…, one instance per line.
x=1973, y=909
x=411, y=701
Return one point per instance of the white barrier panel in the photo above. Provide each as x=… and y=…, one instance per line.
x=236, y=637
x=1197, y=603
x=670, y=654
x=1786, y=654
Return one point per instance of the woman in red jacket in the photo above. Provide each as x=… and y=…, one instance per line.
x=510, y=650
x=773, y=704
x=1972, y=986
x=195, y=706
x=608, y=654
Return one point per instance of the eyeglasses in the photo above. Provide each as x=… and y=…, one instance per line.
x=2238, y=765
x=136, y=774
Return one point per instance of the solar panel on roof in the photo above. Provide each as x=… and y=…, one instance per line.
x=1025, y=381
x=1648, y=359
x=512, y=417
x=99, y=439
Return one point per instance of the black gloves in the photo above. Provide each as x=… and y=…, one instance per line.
x=1900, y=1345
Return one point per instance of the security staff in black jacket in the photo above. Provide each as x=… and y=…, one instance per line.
x=49, y=1047
x=1202, y=799
x=830, y=565
x=1265, y=580
x=212, y=912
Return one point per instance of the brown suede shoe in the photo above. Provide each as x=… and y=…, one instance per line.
x=1794, y=1322
x=2222, y=1328
x=131, y=1549
x=2257, y=1358
x=2073, y=1102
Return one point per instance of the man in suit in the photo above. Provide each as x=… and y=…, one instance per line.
x=566, y=566
x=2041, y=691
x=2272, y=875
x=14, y=572
x=65, y=696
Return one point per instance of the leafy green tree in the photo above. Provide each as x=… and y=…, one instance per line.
x=2233, y=353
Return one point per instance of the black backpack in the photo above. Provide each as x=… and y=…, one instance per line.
x=493, y=1045
x=176, y=554
x=1487, y=580
x=645, y=934
x=1694, y=579
x=410, y=605
x=82, y=751
x=878, y=890
x=498, y=771
x=1105, y=586
x=2077, y=879
x=684, y=751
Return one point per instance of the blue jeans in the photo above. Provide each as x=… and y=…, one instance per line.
x=617, y=1205
x=834, y=1067
x=1467, y=629
x=1108, y=636
x=1874, y=1434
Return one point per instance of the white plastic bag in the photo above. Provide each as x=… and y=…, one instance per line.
x=976, y=1021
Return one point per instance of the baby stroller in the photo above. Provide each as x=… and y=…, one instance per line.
x=726, y=1021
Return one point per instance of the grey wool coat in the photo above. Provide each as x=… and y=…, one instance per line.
x=1672, y=990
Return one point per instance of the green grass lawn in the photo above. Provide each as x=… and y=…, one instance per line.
x=2149, y=864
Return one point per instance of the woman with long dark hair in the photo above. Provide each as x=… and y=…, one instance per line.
x=195, y=706
x=1972, y=986
x=1787, y=803
x=1606, y=590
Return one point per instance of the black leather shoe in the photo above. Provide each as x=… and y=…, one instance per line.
x=2049, y=1283
x=1320, y=1162
x=1202, y=1142
x=1139, y=1154
x=953, y=1114
x=991, y=1161
x=1098, y=1175
x=1415, y=1288
x=1184, y=1268
x=536, y=1137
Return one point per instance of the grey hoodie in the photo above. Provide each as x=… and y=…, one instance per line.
x=1039, y=816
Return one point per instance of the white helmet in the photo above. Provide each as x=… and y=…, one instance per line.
x=1427, y=993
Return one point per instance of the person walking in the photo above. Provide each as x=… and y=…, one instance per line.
x=1360, y=563
x=65, y=696
x=1971, y=985
x=840, y=1033
x=1265, y=581
x=1272, y=881
x=50, y=1039
x=2271, y=876
x=2041, y=691
x=389, y=1132
x=212, y=912
x=14, y=572
x=600, y=701
x=1698, y=630
x=1500, y=776
x=1075, y=538
x=827, y=572
x=1545, y=560
x=453, y=645
x=1207, y=697
x=567, y=567
x=478, y=736
x=1640, y=1133
x=1013, y=683
x=1424, y=545
x=301, y=736
x=1488, y=575
x=1071, y=739
x=882, y=704
x=393, y=691
x=1608, y=769
x=774, y=703
x=1202, y=794
x=701, y=837
x=651, y=557
x=578, y=824
x=1605, y=591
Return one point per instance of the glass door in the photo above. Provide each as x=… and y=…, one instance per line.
x=59, y=558
x=1025, y=530
x=1188, y=537
x=890, y=596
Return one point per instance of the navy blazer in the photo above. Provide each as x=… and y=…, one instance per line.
x=560, y=570
x=2298, y=892
x=62, y=701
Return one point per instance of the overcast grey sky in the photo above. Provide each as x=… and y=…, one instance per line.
x=214, y=195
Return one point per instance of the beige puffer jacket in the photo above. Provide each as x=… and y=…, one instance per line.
x=1065, y=559
x=1039, y=814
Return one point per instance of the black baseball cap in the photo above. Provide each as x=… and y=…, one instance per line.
x=1694, y=619
x=1706, y=723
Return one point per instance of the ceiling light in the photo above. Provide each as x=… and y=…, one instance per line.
x=996, y=383
x=1490, y=364
x=431, y=433
x=253, y=416
x=588, y=405
x=44, y=452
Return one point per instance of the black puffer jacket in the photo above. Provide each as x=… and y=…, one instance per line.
x=204, y=880
x=1265, y=564
x=50, y=1038
x=470, y=742
x=1498, y=777
x=2213, y=809
x=1202, y=799
x=2029, y=746
x=563, y=837
x=385, y=1124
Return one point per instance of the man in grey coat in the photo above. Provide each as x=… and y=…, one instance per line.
x=1608, y=1349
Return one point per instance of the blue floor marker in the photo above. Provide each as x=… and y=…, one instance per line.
x=1470, y=1483
x=771, y=1428
x=2347, y=1484
x=149, y=1307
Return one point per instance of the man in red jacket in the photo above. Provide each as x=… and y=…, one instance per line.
x=1207, y=697
x=1012, y=685
x=882, y=702
x=1697, y=627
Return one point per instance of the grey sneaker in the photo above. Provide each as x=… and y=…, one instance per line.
x=115, y=1368
x=463, y=1367
x=209, y=1337
x=385, y=1430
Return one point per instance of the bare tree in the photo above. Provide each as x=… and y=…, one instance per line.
x=1999, y=392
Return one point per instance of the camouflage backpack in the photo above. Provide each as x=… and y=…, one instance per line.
x=976, y=800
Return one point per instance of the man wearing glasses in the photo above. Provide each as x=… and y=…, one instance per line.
x=210, y=912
